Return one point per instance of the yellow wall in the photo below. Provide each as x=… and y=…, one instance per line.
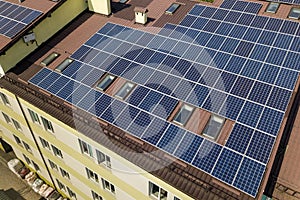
x=43, y=31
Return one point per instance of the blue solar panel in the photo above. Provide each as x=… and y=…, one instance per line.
x=165, y=107
x=46, y=82
x=250, y=114
x=260, y=92
x=287, y=78
x=150, y=101
x=279, y=98
x=239, y=138
x=249, y=176
x=219, y=77
x=198, y=95
x=231, y=107
x=227, y=165
x=197, y=10
x=171, y=138
x=38, y=77
x=260, y=146
x=15, y=18
x=188, y=147
x=242, y=87
x=100, y=105
x=270, y=121
x=215, y=100
x=268, y=73
x=155, y=131
x=140, y=123
x=207, y=155
x=57, y=85
x=78, y=94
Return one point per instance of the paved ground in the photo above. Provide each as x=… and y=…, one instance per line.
x=14, y=187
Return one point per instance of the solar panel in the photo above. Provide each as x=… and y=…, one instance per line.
x=241, y=71
x=16, y=18
x=227, y=165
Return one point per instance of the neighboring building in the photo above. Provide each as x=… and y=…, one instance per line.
x=190, y=106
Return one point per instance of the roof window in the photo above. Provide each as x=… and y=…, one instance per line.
x=213, y=127
x=125, y=90
x=63, y=65
x=272, y=7
x=105, y=82
x=171, y=10
x=294, y=13
x=47, y=61
x=183, y=115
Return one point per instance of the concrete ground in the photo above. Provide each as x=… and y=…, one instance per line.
x=14, y=187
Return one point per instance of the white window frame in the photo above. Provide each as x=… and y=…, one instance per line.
x=7, y=118
x=47, y=125
x=34, y=117
x=57, y=152
x=215, y=118
x=108, y=186
x=27, y=147
x=18, y=140
x=107, y=78
x=178, y=117
x=4, y=99
x=36, y=167
x=50, y=58
x=28, y=161
x=92, y=175
x=160, y=192
x=102, y=158
x=71, y=194
x=45, y=143
x=60, y=185
x=53, y=165
x=63, y=65
x=16, y=124
x=96, y=196
x=64, y=173
x=85, y=148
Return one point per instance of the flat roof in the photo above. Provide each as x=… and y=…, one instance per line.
x=256, y=115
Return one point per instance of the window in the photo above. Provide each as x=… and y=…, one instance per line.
x=18, y=141
x=183, y=114
x=108, y=186
x=172, y=8
x=35, y=118
x=36, y=167
x=272, y=7
x=176, y=198
x=63, y=65
x=28, y=161
x=92, y=175
x=60, y=185
x=71, y=193
x=17, y=124
x=294, y=13
x=53, y=165
x=64, y=173
x=56, y=151
x=157, y=192
x=47, y=61
x=27, y=147
x=4, y=99
x=213, y=127
x=125, y=90
x=85, y=148
x=106, y=81
x=47, y=125
x=6, y=117
x=45, y=144
x=96, y=196
x=102, y=158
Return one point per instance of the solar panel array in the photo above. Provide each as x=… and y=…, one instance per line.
x=14, y=18
x=226, y=60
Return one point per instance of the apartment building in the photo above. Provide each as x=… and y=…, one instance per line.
x=190, y=105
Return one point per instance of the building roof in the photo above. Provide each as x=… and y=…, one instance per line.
x=18, y=18
x=252, y=100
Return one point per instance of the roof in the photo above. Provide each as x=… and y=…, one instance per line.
x=17, y=18
x=257, y=118
x=289, y=174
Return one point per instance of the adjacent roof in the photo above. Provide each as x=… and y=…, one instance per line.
x=16, y=18
x=237, y=68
